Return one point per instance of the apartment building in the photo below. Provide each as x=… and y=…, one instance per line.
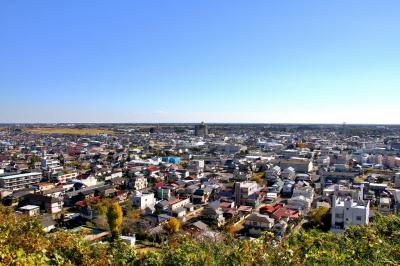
x=246, y=193
x=19, y=181
x=301, y=165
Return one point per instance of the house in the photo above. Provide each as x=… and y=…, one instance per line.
x=48, y=204
x=273, y=174
x=356, y=193
x=164, y=193
x=87, y=180
x=47, y=164
x=396, y=195
x=178, y=203
x=138, y=182
x=287, y=189
x=171, y=159
x=162, y=206
x=130, y=240
x=43, y=186
x=397, y=180
x=301, y=199
x=258, y=223
x=117, y=174
x=276, y=187
x=346, y=211
x=30, y=210
x=384, y=205
x=270, y=209
x=63, y=178
x=198, y=227
x=144, y=200
x=196, y=165
x=212, y=214
x=179, y=213
x=201, y=195
x=301, y=165
x=289, y=173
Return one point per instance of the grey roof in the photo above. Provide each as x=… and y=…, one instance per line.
x=200, y=225
x=260, y=218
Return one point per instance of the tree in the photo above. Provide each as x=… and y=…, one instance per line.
x=114, y=218
x=134, y=214
x=23, y=242
x=34, y=159
x=259, y=178
x=184, y=165
x=321, y=218
x=172, y=226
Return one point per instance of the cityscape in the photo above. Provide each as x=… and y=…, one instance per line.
x=209, y=182
x=191, y=133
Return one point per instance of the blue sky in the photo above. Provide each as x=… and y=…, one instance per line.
x=188, y=61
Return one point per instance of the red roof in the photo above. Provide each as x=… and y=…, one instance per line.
x=245, y=208
x=269, y=209
x=281, y=212
x=153, y=169
x=174, y=201
x=225, y=205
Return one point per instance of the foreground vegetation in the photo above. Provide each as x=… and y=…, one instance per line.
x=22, y=242
x=68, y=131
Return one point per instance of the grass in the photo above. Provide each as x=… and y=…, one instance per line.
x=68, y=131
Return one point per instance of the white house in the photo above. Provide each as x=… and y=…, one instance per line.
x=397, y=180
x=346, y=212
x=89, y=181
x=130, y=240
x=144, y=200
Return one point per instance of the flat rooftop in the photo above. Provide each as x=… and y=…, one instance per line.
x=19, y=175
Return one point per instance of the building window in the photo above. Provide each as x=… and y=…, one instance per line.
x=358, y=218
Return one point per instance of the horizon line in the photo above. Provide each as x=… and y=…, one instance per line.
x=208, y=123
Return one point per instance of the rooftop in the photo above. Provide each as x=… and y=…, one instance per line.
x=19, y=175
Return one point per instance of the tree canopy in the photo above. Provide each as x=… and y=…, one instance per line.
x=172, y=226
x=114, y=218
x=23, y=242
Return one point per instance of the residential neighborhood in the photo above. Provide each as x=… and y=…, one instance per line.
x=241, y=179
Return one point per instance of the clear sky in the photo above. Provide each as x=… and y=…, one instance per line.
x=188, y=61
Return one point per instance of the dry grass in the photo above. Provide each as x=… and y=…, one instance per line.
x=68, y=131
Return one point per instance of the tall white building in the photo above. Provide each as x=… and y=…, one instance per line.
x=144, y=200
x=244, y=192
x=397, y=180
x=346, y=211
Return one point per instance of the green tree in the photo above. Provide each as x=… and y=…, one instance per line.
x=34, y=159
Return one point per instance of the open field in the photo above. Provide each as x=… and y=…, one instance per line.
x=70, y=131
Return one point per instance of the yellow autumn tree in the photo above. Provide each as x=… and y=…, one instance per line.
x=114, y=218
x=172, y=226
